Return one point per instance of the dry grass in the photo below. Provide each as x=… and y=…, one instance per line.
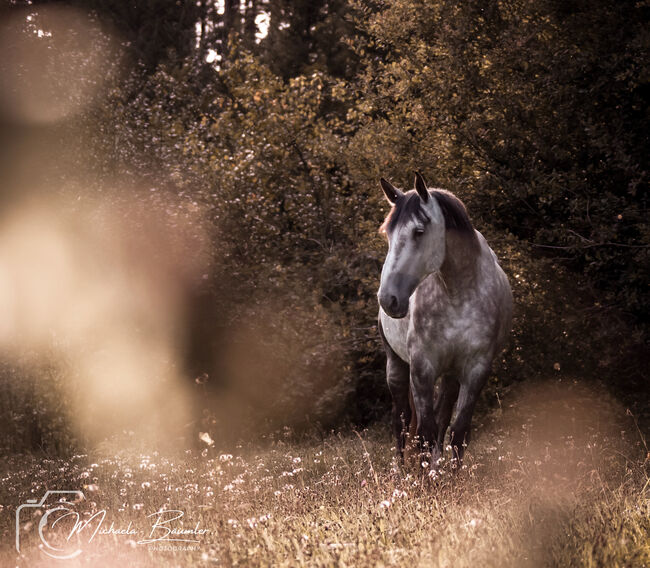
x=558, y=476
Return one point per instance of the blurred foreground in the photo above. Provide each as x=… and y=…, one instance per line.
x=558, y=476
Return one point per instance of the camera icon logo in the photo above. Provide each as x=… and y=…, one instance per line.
x=62, y=502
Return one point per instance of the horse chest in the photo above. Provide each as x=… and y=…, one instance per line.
x=396, y=333
x=449, y=332
x=442, y=329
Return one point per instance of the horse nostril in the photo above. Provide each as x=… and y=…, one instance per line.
x=393, y=304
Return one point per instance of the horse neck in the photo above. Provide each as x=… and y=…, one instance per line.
x=460, y=267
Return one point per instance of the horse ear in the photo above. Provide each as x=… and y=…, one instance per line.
x=391, y=192
x=421, y=187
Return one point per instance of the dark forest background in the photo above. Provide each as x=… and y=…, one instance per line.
x=535, y=113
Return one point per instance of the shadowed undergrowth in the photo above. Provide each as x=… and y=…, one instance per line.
x=558, y=475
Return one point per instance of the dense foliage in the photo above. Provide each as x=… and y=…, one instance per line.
x=538, y=113
x=534, y=113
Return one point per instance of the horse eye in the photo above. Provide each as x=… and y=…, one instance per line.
x=418, y=232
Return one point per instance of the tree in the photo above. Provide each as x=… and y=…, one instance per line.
x=304, y=36
x=535, y=111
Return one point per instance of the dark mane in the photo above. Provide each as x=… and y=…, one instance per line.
x=408, y=206
x=454, y=212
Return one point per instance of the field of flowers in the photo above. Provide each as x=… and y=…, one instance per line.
x=557, y=475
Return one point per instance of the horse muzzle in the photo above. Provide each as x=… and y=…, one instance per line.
x=395, y=292
x=393, y=306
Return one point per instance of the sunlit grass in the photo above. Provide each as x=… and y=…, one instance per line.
x=558, y=476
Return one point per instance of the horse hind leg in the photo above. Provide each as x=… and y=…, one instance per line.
x=444, y=405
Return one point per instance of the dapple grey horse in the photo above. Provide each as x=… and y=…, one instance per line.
x=445, y=311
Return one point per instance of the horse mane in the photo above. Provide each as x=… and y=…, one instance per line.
x=452, y=208
x=454, y=212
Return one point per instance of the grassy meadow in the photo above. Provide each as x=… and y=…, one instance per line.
x=557, y=474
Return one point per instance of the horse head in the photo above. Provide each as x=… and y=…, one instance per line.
x=415, y=229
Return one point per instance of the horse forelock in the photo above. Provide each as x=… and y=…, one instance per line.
x=409, y=206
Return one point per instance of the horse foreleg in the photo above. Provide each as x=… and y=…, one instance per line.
x=422, y=382
x=397, y=376
x=470, y=388
x=411, y=454
x=444, y=405
x=398, y=373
